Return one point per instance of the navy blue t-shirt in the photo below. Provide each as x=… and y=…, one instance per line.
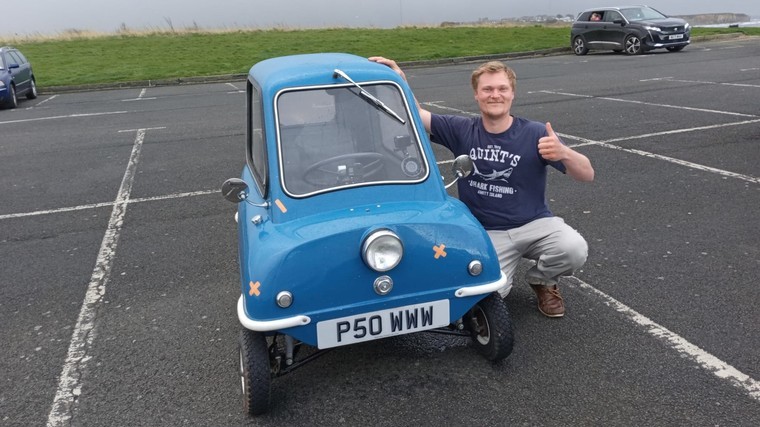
x=507, y=187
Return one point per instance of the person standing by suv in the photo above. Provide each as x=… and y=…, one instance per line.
x=506, y=191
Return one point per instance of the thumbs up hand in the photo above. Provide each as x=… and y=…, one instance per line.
x=550, y=147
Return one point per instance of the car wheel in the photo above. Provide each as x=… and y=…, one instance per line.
x=491, y=327
x=32, y=90
x=579, y=46
x=633, y=45
x=255, y=373
x=12, y=100
x=675, y=48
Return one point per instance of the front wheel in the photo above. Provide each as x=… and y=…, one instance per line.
x=491, y=327
x=579, y=46
x=12, y=100
x=633, y=45
x=255, y=372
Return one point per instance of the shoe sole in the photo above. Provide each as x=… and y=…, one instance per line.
x=551, y=315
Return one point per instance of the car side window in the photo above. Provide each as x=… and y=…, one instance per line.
x=21, y=57
x=15, y=59
x=612, y=15
x=256, y=138
x=2, y=61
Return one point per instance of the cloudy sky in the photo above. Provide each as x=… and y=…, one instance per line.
x=55, y=16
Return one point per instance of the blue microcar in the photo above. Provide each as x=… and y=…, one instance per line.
x=346, y=233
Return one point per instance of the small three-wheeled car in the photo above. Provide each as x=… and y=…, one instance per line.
x=346, y=231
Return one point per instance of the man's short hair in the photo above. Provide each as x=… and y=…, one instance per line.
x=493, y=67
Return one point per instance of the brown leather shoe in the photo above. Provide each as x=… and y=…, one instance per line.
x=550, y=302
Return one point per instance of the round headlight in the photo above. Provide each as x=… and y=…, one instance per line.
x=382, y=250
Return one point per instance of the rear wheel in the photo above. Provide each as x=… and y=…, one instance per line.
x=491, y=327
x=633, y=45
x=255, y=372
x=32, y=90
x=579, y=46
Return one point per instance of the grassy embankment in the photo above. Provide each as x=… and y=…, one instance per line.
x=83, y=60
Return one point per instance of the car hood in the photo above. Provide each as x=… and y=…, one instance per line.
x=666, y=22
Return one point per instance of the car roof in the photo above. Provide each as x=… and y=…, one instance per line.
x=615, y=7
x=278, y=73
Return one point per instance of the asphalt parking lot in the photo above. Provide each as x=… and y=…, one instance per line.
x=119, y=272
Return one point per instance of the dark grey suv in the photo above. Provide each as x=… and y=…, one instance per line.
x=633, y=29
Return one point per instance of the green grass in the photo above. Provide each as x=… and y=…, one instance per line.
x=168, y=55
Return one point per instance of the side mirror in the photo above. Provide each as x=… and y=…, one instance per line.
x=462, y=168
x=235, y=190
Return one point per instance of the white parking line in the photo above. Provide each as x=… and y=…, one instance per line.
x=69, y=384
x=42, y=102
x=679, y=107
x=704, y=359
x=105, y=204
x=70, y=116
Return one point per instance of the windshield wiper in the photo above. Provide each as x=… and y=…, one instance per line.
x=369, y=98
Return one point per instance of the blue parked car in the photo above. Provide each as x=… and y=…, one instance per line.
x=346, y=232
x=16, y=77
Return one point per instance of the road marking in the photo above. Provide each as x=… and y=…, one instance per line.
x=69, y=384
x=631, y=101
x=42, y=102
x=106, y=204
x=704, y=359
x=672, y=79
x=70, y=116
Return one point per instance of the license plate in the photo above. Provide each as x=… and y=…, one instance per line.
x=676, y=36
x=382, y=323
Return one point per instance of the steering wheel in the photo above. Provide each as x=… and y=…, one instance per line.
x=363, y=166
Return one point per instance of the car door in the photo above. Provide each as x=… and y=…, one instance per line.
x=22, y=75
x=590, y=31
x=613, y=33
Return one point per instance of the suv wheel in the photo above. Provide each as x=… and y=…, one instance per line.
x=579, y=46
x=633, y=45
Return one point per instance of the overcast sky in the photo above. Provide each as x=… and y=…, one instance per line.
x=55, y=16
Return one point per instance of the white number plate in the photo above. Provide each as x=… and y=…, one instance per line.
x=676, y=36
x=382, y=323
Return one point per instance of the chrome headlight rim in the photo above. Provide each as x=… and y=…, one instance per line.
x=382, y=250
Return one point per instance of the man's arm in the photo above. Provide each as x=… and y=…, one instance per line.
x=576, y=164
x=424, y=114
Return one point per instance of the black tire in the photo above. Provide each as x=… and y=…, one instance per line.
x=675, y=48
x=12, y=100
x=491, y=327
x=255, y=373
x=633, y=45
x=32, y=93
x=579, y=46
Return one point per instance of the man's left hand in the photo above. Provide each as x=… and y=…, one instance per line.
x=550, y=147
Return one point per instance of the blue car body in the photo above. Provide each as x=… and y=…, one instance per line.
x=302, y=228
x=16, y=77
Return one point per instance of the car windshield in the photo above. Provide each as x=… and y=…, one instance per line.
x=641, y=14
x=329, y=138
